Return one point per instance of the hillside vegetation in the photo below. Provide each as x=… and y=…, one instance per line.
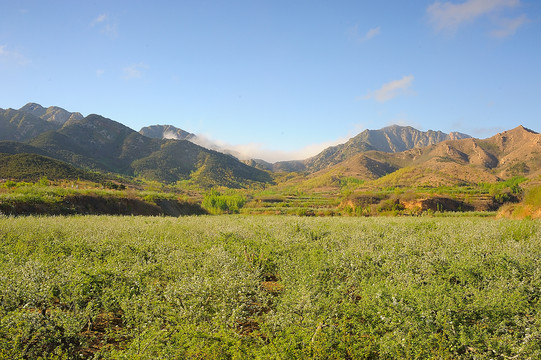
x=46, y=197
x=32, y=167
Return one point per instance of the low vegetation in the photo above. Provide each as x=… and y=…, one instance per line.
x=31, y=167
x=237, y=287
x=228, y=203
x=530, y=207
x=350, y=197
x=47, y=197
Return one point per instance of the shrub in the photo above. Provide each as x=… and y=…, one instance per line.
x=533, y=196
x=218, y=203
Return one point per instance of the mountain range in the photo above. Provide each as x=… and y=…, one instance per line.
x=515, y=152
x=97, y=143
x=390, y=139
x=391, y=156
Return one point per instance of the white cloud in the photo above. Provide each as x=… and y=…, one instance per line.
x=12, y=57
x=259, y=151
x=449, y=16
x=371, y=33
x=105, y=26
x=100, y=72
x=354, y=33
x=391, y=89
x=101, y=18
x=509, y=27
x=170, y=135
x=134, y=71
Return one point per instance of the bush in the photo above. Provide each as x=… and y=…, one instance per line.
x=10, y=184
x=533, y=196
x=218, y=203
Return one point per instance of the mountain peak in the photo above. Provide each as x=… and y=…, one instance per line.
x=166, y=132
x=52, y=114
x=519, y=132
x=34, y=109
x=521, y=128
x=396, y=126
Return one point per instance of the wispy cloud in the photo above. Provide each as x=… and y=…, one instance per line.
x=105, y=25
x=100, y=72
x=134, y=71
x=372, y=32
x=448, y=16
x=509, y=27
x=99, y=19
x=12, y=56
x=259, y=151
x=391, y=89
x=360, y=38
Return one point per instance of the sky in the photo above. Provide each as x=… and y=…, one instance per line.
x=276, y=79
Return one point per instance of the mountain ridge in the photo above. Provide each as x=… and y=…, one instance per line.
x=98, y=143
x=394, y=155
x=391, y=139
x=515, y=152
x=52, y=114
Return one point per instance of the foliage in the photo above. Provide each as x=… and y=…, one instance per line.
x=511, y=184
x=32, y=167
x=20, y=198
x=533, y=196
x=530, y=207
x=218, y=203
x=113, y=185
x=234, y=287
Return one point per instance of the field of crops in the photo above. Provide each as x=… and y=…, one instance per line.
x=269, y=287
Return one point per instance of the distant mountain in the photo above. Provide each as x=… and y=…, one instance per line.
x=32, y=120
x=95, y=142
x=390, y=139
x=516, y=152
x=170, y=132
x=259, y=164
x=52, y=114
x=98, y=143
x=165, y=132
x=21, y=126
x=392, y=156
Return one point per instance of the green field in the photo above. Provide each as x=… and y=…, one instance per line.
x=269, y=287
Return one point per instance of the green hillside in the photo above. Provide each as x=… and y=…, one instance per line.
x=32, y=167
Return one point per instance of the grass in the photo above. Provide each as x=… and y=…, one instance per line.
x=529, y=208
x=236, y=287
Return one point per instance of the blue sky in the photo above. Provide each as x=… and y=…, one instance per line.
x=279, y=79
